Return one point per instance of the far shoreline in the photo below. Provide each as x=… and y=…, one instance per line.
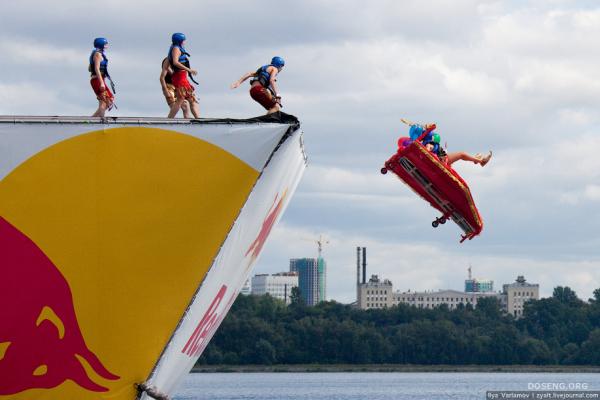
x=396, y=368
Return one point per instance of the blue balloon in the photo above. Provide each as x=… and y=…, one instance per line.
x=415, y=131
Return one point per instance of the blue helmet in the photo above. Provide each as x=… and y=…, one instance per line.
x=178, y=38
x=100, y=42
x=277, y=62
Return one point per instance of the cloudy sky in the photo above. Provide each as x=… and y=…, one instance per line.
x=518, y=77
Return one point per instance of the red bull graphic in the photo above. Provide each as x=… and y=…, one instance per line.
x=208, y=325
x=267, y=225
x=194, y=346
x=41, y=344
x=106, y=233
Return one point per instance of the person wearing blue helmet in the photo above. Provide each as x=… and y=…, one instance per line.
x=179, y=62
x=98, y=67
x=431, y=141
x=263, y=87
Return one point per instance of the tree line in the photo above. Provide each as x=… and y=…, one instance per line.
x=561, y=329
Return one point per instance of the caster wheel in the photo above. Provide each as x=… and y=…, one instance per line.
x=435, y=224
x=384, y=171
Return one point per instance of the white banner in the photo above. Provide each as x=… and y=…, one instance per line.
x=233, y=265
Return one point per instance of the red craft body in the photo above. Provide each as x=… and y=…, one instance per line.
x=439, y=184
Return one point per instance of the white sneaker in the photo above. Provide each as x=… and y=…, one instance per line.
x=486, y=159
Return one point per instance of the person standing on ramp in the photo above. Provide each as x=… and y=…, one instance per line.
x=179, y=61
x=166, y=83
x=98, y=67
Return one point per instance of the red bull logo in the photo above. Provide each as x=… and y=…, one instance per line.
x=267, y=225
x=100, y=255
x=208, y=324
x=41, y=344
x=202, y=333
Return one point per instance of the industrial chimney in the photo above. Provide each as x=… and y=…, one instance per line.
x=358, y=266
x=364, y=262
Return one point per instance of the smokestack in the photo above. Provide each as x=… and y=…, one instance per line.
x=358, y=265
x=364, y=260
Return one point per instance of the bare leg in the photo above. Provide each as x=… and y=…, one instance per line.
x=274, y=109
x=461, y=155
x=195, y=109
x=185, y=107
x=175, y=108
x=101, y=109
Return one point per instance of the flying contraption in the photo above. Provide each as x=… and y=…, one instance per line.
x=437, y=183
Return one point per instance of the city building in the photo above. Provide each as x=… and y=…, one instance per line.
x=517, y=293
x=379, y=293
x=277, y=285
x=512, y=298
x=246, y=289
x=433, y=299
x=375, y=293
x=478, y=285
x=311, y=278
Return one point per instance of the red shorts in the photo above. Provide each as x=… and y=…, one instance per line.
x=105, y=94
x=263, y=97
x=183, y=88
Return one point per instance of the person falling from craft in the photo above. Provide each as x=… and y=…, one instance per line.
x=431, y=141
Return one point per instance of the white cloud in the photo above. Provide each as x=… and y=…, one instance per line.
x=592, y=192
x=20, y=52
x=472, y=86
x=32, y=99
x=339, y=180
x=517, y=77
x=579, y=117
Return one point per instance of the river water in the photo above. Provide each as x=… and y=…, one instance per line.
x=373, y=385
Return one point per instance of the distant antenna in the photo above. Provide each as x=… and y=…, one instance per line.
x=469, y=271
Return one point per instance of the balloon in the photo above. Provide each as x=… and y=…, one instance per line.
x=404, y=142
x=415, y=131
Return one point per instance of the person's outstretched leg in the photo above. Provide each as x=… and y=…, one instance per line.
x=461, y=155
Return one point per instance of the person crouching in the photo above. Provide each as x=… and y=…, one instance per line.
x=263, y=87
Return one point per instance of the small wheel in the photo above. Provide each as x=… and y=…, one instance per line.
x=443, y=220
x=435, y=224
x=384, y=170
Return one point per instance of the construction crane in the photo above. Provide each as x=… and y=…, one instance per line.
x=321, y=241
